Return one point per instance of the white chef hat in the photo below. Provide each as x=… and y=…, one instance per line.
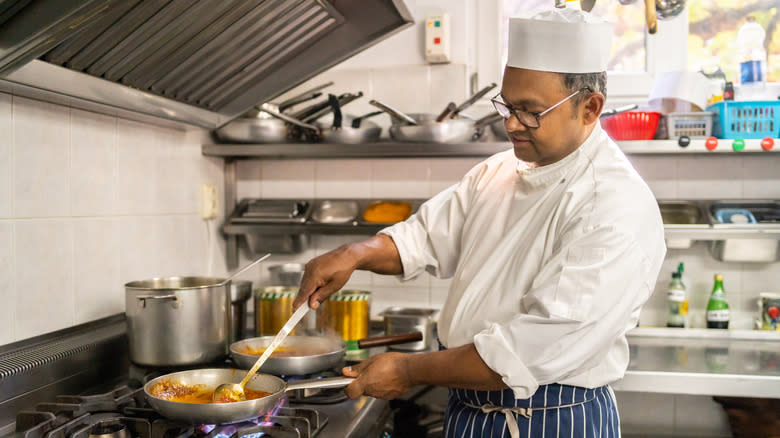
x=560, y=40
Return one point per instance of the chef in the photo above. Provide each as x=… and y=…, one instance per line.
x=552, y=247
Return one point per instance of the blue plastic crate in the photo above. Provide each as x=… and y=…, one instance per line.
x=748, y=119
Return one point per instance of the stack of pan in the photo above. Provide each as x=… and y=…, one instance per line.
x=276, y=123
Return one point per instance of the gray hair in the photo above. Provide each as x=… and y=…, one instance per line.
x=573, y=82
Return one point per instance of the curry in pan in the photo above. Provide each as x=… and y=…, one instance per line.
x=283, y=351
x=179, y=392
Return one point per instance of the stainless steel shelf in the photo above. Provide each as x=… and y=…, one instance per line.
x=368, y=150
x=722, y=232
x=738, y=363
x=307, y=228
x=476, y=149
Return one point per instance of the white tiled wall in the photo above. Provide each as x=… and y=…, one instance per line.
x=87, y=203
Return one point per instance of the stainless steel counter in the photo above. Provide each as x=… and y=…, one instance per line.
x=703, y=362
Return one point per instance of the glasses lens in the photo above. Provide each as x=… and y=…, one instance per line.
x=501, y=108
x=527, y=119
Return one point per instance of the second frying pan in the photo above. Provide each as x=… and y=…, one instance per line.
x=308, y=354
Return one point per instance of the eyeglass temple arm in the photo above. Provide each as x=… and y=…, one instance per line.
x=560, y=103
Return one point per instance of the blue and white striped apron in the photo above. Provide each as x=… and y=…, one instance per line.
x=560, y=411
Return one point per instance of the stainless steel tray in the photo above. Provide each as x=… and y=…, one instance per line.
x=682, y=213
x=271, y=211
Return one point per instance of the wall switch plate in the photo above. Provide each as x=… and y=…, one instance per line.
x=437, y=39
x=208, y=201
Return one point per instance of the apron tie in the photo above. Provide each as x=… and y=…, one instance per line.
x=511, y=423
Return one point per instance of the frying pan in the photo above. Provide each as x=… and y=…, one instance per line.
x=353, y=133
x=330, y=352
x=259, y=126
x=213, y=413
x=427, y=130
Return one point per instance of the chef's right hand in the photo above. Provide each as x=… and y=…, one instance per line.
x=324, y=276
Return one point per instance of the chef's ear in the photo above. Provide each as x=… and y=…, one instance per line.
x=592, y=107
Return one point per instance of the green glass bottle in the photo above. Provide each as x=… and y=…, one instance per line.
x=717, y=307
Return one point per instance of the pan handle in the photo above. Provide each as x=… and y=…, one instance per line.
x=288, y=119
x=330, y=382
x=394, y=113
x=473, y=99
x=383, y=341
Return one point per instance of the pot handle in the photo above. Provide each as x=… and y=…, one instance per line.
x=143, y=298
x=331, y=382
x=384, y=341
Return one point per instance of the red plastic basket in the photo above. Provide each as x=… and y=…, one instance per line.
x=632, y=125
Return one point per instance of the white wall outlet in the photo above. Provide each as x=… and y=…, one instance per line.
x=437, y=39
x=208, y=201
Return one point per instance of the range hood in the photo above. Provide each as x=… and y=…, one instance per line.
x=200, y=62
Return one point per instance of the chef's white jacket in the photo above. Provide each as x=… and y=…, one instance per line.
x=550, y=265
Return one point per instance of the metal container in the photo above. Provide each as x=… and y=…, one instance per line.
x=335, y=211
x=764, y=216
x=400, y=320
x=347, y=312
x=177, y=321
x=240, y=292
x=681, y=215
x=273, y=307
x=287, y=274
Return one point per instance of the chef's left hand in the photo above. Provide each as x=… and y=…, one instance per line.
x=383, y=376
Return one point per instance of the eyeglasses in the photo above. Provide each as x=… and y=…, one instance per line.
x=529, y=120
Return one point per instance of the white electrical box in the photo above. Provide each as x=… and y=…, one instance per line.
x=437, y=39
x=208, y=201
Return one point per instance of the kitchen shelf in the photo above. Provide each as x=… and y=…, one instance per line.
x=306, y=228
x=670, y=147
x=368, y=150
x=476, y=149
x=722, y=232
x=737, y=363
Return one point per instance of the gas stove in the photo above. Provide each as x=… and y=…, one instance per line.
x=124, y=413
x=37, y=378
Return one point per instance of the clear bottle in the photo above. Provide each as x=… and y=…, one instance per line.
x=677, y=301
x=752, y=54
x=717, y=307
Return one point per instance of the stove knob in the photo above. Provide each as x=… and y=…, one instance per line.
x=684, y=141
x=738, y=145
x=767, y=143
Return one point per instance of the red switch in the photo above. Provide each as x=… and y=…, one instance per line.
x=767, y=143
x=711, y=143
x=437, y=40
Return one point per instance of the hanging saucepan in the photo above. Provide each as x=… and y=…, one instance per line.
x=258, y=126
x=666, y=9
x=166, y=394
x=499, y=129
x=356, y=132
x=302, y=355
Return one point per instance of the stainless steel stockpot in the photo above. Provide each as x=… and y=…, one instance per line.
x=176, y=321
